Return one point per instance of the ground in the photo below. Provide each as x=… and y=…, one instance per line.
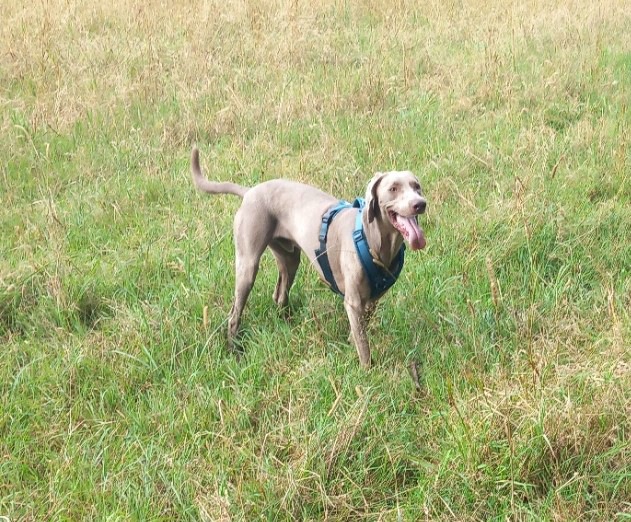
x=120, y=402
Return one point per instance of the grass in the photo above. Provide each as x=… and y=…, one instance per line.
x=119, y=403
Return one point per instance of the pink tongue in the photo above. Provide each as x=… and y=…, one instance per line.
x=411, y=231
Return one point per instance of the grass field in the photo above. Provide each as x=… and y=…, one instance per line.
x=119, y=403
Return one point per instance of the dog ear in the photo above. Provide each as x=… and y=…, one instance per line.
x=372, y=200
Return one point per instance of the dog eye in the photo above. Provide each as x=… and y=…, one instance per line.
x=393, y=189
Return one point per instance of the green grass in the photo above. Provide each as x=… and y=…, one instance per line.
x=117, y=402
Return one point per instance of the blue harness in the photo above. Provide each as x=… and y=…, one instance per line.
x=380, y=279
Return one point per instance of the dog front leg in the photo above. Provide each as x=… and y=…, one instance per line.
x=369, y=310
x=355, y=310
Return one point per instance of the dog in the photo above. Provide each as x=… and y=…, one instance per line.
x=287, y=217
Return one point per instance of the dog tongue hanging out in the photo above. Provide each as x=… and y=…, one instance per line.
x=409, y=229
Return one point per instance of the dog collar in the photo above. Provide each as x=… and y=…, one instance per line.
x=379, y=277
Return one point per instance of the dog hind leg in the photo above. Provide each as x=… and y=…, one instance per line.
x=250, y=242
x=288, y=262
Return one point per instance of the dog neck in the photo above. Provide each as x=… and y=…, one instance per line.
x=383, y=239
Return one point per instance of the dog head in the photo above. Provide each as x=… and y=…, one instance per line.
x=397, y=200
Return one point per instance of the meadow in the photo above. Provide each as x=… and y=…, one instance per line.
x=118, y=398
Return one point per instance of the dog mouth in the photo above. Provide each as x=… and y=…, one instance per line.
x=408, y=227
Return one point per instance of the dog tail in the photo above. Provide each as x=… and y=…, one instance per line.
x=212, y=187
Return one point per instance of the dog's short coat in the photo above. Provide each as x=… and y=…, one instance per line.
x=286, y=217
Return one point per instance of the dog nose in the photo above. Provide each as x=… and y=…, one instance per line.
x=419, y=206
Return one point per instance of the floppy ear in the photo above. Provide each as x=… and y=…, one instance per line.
x=372, y=201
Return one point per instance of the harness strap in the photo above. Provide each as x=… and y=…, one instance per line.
x=380, y=278
x=321, y=253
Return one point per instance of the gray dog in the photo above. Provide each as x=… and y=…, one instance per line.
x=289, y=217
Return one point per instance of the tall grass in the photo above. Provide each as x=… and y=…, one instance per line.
x=120, y=402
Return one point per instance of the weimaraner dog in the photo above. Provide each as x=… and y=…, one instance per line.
x=287, y=217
